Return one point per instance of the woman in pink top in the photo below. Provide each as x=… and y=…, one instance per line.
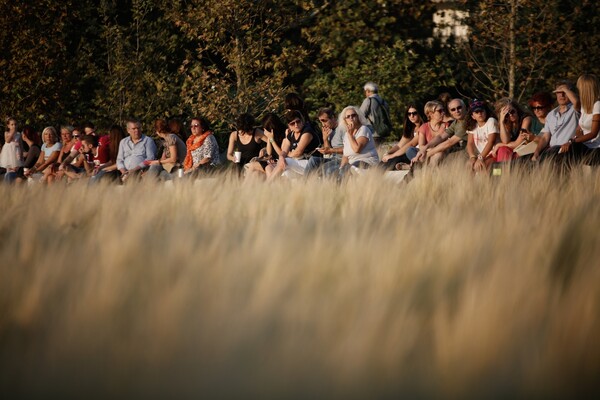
x=435, y=125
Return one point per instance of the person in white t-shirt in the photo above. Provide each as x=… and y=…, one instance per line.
x=586, y=142
x=359, y=146
x=482, y=131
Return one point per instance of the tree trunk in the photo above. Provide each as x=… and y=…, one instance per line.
x=512, y=57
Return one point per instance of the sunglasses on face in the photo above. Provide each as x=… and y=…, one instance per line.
x=323, y=121
x=195, y=125
x=439, y=110
x=512, y=112
x=535, y=108
x=412, y=114
x=457, y=108
x=351, y=116
x=478, y=111
x=295, y=122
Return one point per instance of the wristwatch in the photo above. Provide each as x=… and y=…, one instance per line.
x=572, y=140
x=480, y=157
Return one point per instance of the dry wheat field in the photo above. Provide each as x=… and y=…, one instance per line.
x=449, y=286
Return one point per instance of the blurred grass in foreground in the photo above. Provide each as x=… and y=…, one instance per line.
x=449, y=286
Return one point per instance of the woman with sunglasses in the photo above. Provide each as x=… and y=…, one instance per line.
x=513, y=119
x=300, y=140
x=540, y=105
x=482, y=129
x=410, y=138
x=435, y=126
x=514, y=125
x=202, y=149
x=359, y=146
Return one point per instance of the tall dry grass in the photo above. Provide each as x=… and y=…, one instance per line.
x=449, y=286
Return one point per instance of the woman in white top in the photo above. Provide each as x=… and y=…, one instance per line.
x=482, y=130
x=49, y=154
x=11, y=156
x=359, y=146
x=586, y=142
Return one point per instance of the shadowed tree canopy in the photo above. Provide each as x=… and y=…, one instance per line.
x=516, y=46
x=104, y=60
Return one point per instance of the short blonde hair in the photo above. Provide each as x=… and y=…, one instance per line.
x=52, y=132
x=430, y=107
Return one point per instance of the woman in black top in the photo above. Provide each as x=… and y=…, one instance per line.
x=247, y=139
x=300, y=140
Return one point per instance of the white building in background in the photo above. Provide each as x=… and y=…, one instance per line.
x=449, y=21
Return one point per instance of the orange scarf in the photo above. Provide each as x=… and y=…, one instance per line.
x=191, y=146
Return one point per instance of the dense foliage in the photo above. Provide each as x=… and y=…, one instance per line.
x=104, y=60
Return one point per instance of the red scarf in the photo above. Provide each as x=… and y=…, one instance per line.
x=193, y=143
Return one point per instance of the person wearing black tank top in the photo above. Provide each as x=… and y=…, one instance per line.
x=246, y=139
x=300, y=139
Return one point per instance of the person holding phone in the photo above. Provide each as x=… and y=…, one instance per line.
x=331, y=152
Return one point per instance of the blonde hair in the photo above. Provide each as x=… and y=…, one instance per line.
x=430, y=107
x=589, y=92
x=52, y=132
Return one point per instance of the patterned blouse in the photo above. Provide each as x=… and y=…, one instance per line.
x=209, y=148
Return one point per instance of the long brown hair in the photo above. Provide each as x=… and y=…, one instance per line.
x=116, y=134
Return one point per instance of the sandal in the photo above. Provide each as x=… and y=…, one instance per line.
x=402, y=166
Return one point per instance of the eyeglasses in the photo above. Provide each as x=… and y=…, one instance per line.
x=351, y=116
x=457, y=108
x=412, y=114
x=535, y=108
x=295, y=122
x=195, y=125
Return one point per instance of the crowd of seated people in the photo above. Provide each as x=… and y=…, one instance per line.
x=560, y=127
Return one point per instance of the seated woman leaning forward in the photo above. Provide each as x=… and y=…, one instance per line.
x=359, y=146
x=482, y=129
x=300, y=141
x=410, y=138
x=514, y=127
x=48, y=155
x=171, y=160
x=274, y=129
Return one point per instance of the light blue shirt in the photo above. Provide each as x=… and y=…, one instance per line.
x=561, y=127
x=133, y=155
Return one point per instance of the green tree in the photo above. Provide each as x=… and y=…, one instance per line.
x=37, y=40
x=238, y=63
x=387, y=42
x=516, y=46
x=138, y=62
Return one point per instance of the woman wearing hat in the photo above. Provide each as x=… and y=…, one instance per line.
x=482, y=130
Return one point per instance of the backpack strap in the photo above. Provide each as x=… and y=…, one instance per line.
x=369, y=113
x=385, y=111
